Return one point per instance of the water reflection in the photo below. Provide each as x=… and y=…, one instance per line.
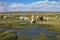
x=34, y=31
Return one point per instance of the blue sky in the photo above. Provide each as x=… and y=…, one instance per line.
x=21, y=1
x=29, y=5
x=25, y=1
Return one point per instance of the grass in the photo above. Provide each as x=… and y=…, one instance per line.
x=14, y=21
x=7, y=35
x=11, y=35
x=52, y=24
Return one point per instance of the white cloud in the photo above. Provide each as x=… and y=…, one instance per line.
x=14, y=5
x=3, y=6
x=35, y=6
x=1, y=9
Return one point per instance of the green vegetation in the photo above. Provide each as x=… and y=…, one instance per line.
x=52, y=24
x=42, y=36
x=7, y=35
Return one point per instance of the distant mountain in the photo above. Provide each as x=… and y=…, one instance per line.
x=30, y=12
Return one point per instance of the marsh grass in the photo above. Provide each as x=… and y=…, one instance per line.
x=52, y=24
x=7, y=35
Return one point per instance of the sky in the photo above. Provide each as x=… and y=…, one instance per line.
x=29, y=5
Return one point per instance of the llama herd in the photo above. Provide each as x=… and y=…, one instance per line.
x=32, y=18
